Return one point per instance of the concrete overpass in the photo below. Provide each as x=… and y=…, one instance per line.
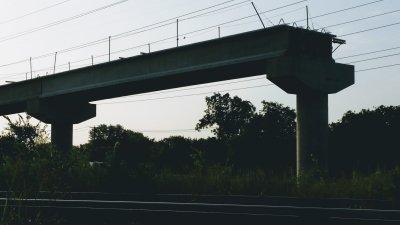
x=297, y=60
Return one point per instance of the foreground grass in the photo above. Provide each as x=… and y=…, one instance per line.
x=382, y=185
x=66, y=173
x=219, y=180
x=25, y=176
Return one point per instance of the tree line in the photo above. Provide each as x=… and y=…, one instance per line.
x=244, y=139
x=251, y=153
x=247, y=139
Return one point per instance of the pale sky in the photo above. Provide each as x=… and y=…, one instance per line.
x=35, y=28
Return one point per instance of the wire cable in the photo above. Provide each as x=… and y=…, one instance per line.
x=172, y=131
x=361, y=19
x=379, y=67
x=181, y=96
x=33, y=12
x=16, y=35
x=368, y=53
x=200, y=30
x=273, y=16
x=103, y=40
x=117, y=36
x=81, y=129
x=170, y=21
x=201, y=87
x=371, y=29
x=340, y=10
x=369, y=59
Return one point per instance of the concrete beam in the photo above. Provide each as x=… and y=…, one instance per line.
x=236, y=56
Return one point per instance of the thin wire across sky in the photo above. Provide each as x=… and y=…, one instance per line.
x=168, y=22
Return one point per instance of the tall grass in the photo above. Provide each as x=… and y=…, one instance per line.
x=54, y=172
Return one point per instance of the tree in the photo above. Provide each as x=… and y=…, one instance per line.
x=366, y=140
x=24, y=132
x=279, y=120
x=268, y=140
x=230, y=115
x=213, y=150
x=132, y=147
x=176, y=153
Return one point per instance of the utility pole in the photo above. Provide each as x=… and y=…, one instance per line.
x=308, y=27
x=30, y=62
x=109, y=48
x=258, y=14
x=55, y=61
x=177, y=32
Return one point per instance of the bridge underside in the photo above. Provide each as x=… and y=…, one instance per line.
x=297, y=60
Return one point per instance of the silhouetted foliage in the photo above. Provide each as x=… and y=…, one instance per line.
x=175, y=153
x=21, y=138
x=366, y=140
x=131, y=146
x=213, y=150
x=229, y=114
x=24, y=132
x=254, y=156
x=268, y=140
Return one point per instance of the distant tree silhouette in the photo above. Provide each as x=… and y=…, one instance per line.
x=230, y=115
x=366, y=140
x=268, y=141
x=214, y=151
x=132, y=147
x=175, y=153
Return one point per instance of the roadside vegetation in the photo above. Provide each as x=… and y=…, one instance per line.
x=252, y=153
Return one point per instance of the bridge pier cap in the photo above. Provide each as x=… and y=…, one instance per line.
x=61, y=115
x=309, y=71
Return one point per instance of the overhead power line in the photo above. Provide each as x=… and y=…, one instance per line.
x=378, y=67
x=181, y=96
x=33, y=12
x=361, y=19
x=371, y=29
x=185, y=34
x=369, y=59
x=368, y=53
x=16, y=35
x=103, y=40
x=228, y=22
x=173, y=20
x=151, y=27
x=171, y=131
x=340, y=10
x=148, y=28
x=155, y=131
x=206, y=86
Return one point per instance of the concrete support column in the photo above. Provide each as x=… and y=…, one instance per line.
x=62, y=115
x=312, y=130
x=61, y=135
